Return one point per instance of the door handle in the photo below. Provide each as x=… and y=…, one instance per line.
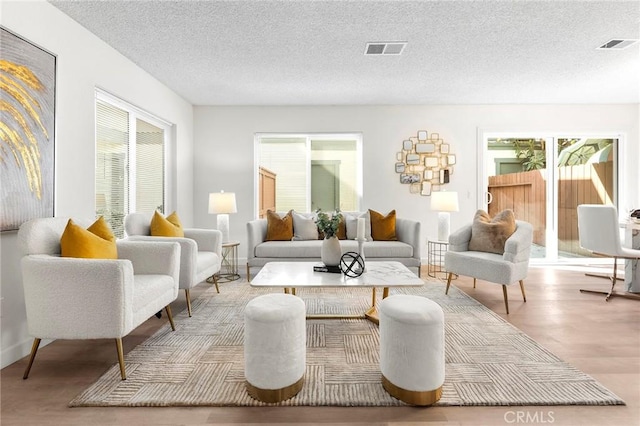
x=489, y=197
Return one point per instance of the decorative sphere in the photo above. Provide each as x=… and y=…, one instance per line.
x=352, y=264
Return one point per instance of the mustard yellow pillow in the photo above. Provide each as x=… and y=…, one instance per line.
x=490, y=234
x=96, y=242
x=102, y=229
x=383, y=228
x=166, y=227
x=342, y=229
x=279, y=228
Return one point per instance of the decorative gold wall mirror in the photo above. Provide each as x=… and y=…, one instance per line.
x=425, y=163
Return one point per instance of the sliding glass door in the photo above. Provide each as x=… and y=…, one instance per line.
x=543, y=179
x=586, y=174
x=516, y=179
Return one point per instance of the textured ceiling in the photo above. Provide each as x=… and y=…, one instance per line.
x=311, y=52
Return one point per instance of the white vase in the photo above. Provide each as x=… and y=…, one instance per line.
x=331, y=252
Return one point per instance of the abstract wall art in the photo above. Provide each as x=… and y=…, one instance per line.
x=27, y=131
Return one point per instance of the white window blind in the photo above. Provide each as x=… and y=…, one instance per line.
x=150, y=167
x=112, y=163
x=130, y=161
x=288, y=157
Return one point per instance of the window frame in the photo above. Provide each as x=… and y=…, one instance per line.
x=133, y=114
x=551, y=138
x=315, y=136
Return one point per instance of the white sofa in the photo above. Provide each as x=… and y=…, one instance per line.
x=406, y=250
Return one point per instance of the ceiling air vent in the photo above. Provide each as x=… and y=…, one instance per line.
x=617, y=44
x=385, y=48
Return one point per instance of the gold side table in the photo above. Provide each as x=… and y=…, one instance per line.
x=435, y=258
x=229, y=268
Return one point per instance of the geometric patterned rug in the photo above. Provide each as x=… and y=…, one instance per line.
x=488, y=361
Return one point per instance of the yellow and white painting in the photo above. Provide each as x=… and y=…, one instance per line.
x=27, y=131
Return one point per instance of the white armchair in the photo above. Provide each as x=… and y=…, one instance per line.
x=505, y=269
x=201, y=250
x=74, y=298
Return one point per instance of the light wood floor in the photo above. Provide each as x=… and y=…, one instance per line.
x=602, y=339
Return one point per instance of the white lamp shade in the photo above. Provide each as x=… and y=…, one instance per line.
x=443, y=201
x=222, y=202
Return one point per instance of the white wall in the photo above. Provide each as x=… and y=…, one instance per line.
x=224, y=146
x=84, y=62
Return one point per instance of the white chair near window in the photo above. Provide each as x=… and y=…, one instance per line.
x=599, y=232
x=200, y=256
x=505, y=269
x=79, y=298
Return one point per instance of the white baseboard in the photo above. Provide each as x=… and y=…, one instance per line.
x=18, y=351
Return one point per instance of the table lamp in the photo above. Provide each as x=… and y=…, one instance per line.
x=444, y=202
x=222, y=203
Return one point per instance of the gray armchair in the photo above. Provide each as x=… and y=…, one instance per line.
x=201, y=250
x=505, y=269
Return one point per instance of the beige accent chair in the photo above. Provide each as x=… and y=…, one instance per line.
x=505, y=269
x=599, y=232
x=72, y=298
x=201, y=251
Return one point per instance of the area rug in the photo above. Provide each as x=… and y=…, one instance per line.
x=488, y=361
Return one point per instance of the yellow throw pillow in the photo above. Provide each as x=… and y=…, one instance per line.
x=342, y=229
x=279, y=228
x=166, y=227
x=102, y=229
x=383, y=228
x=489, y=235
x=96, y=242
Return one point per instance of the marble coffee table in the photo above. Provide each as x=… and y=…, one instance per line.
x=296, y=275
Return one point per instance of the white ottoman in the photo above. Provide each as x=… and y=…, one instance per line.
x=412, y=348
x=274, y=346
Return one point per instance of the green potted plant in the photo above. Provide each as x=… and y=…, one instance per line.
x=328, y=224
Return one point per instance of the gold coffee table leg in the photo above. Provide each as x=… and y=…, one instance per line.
x=372, y=312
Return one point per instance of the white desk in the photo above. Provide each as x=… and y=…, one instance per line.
x=292, y=275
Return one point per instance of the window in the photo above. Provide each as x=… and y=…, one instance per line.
x=130, y=161
x=311, y=171
x=543, y=178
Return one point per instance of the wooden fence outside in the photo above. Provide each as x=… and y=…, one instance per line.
x=583, y=184
x=525, y=194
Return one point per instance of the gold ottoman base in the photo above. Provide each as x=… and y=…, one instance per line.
x=275, y=395
x=412, y=397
